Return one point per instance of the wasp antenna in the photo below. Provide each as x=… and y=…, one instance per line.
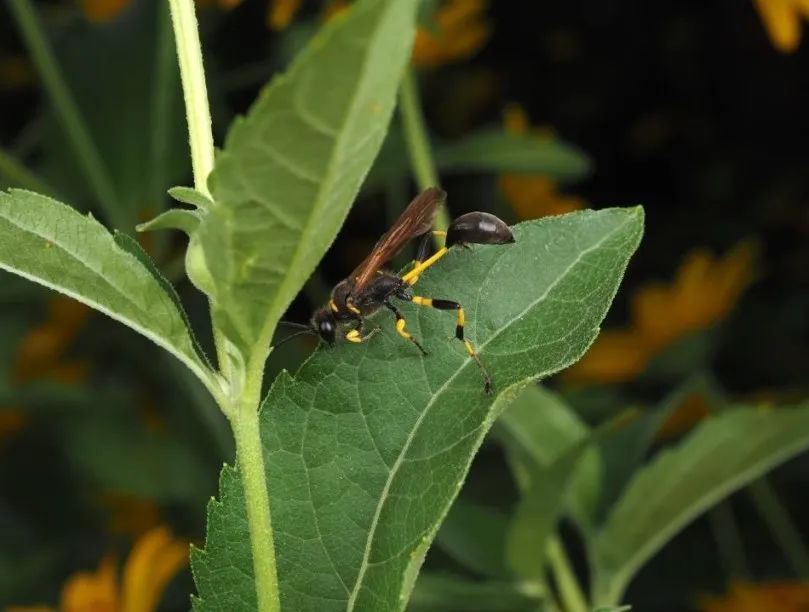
x=307, y=331
x=295, y=325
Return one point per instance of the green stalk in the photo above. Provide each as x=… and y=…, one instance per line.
x=243, y=404
x=198, y=117
x=165, y=74
x=18, y=175
x=198, y=114
x=250, y=461
x=68, y=112
x=781, y=526
x=418, y=142
x=728, y=541
x=573, y=599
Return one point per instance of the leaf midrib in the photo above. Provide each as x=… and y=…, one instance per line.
x=269, y=325
x=417, y=424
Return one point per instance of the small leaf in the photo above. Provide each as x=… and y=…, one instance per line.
x=368, y=445
x=50, y=243
x=290, y=169
x=498, y=151
x=175, y=218
x=722, y=455
x=189, y=195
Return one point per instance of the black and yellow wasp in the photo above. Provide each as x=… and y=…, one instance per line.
x=370, y=288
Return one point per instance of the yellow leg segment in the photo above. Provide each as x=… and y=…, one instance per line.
x=412, y=276
x=355, y=336
x=459, y=332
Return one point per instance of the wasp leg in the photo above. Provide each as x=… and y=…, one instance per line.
x=423, y=253
x=450, y=305
x=411, y=277
x=400, y=326
x=355, y=335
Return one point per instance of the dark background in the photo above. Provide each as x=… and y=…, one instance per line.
x=685, y=107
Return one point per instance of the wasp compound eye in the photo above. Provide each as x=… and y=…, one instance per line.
x=478, y=228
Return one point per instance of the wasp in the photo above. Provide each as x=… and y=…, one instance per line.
x=369, y=287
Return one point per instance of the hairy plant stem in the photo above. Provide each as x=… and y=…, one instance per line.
x=245, y=379
x=570, y=593
x=198, y=117
x=192, y=73
x=250, y=461
x=68, y=112
x=418, y=142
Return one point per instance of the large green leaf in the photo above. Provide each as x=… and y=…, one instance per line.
x=291, y=168
x=494, y=150
x=723, y=454
x=367, y=446
x=52, y=244
x=488, y=150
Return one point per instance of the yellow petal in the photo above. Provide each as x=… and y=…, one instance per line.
x=100, y=11
x=460, y=32
x=616, y=356
x=780, y=596
x=735, y=272
x=153, y=562
x=533, y=196
x=781, y=19
x=92, y=592
x=652, y=315
x=129, y=515
x=515, y=119
x=691, y=411
x=12, y=420
x=280, y=13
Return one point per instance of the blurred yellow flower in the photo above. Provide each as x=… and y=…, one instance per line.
x=783, y=596
x=279, y=12
x=155, y=559
x=460, y=31
x=782, y=19
x=39, y=355
x=691, y=411
x=704, y=291
x=129, y=515
x=530, y=195
x=100, y=11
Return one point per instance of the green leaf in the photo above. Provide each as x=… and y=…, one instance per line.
x=722, y=455
x=537, y=513
x=51, y=244
x=536, y=431
x=176, y=218
x=291, y=168
x=624, y=451
x=189, y=195
x=368, y=445
x=489, y=150
x=439, y=593
x=475, y=536
x=494, y=150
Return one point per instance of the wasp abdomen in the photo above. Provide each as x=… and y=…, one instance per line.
x=478, y=228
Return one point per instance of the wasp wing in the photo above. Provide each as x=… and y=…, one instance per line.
x=417, y=219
